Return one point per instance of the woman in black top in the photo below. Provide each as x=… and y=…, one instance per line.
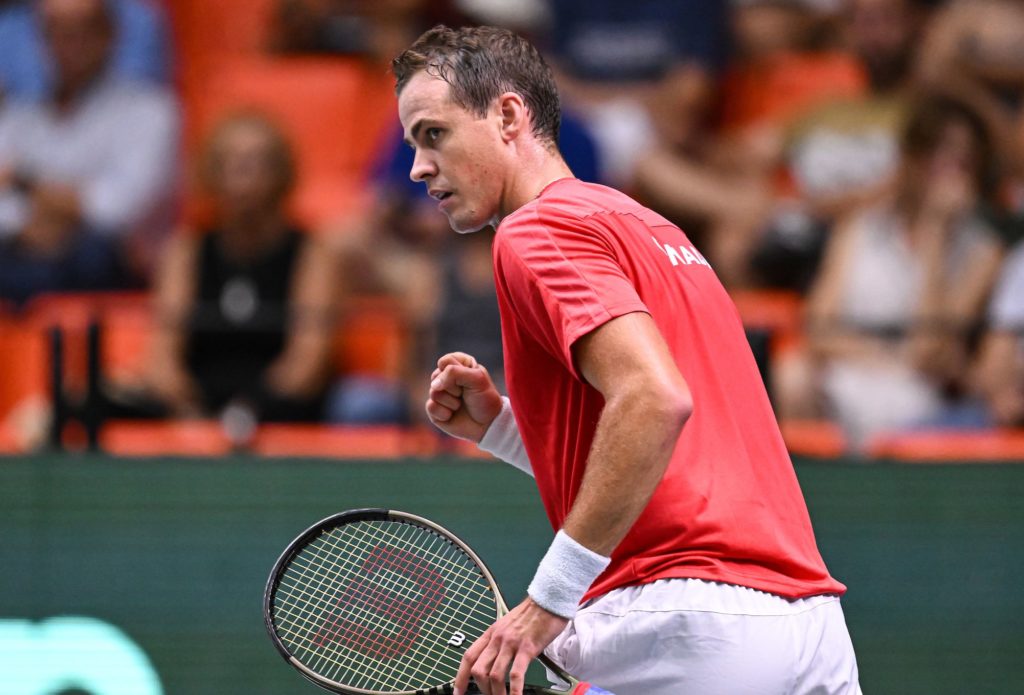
x=246, y=308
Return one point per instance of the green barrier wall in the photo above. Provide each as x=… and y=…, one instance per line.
x=145, y=577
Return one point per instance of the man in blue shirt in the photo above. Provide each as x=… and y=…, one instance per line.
x=142, y=50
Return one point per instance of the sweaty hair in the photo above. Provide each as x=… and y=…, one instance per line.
x=480, y=64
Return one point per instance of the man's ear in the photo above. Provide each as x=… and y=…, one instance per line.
x=515, y=117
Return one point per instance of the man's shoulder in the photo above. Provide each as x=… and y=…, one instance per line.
x=571, y=202
x=576, y=198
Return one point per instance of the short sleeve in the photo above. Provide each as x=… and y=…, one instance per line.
x=562, y=278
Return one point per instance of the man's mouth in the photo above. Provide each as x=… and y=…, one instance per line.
x=440, y=195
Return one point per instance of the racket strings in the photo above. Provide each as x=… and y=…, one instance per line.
x=387, y=581
x=372, y=605
x=359, y=663
x=423, y=651
x=370, y=617
x=372, y=639
x=373, y=620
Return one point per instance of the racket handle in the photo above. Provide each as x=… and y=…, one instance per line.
x=588, y=689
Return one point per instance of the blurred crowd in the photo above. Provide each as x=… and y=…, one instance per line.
x=864, y=158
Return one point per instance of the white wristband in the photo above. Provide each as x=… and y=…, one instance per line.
x=564, y=575
x=502, y=439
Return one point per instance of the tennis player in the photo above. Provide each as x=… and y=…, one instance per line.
x=684, y=560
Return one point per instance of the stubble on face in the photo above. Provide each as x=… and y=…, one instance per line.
x=462, y=161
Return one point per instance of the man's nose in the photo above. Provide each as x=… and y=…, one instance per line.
x=423, y=167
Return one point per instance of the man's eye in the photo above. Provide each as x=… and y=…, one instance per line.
x=433, y=134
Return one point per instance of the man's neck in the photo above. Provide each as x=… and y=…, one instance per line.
x=539, y=169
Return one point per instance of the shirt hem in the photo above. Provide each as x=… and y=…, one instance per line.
x=787, y=590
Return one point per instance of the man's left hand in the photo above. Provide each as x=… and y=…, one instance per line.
x=507, y=648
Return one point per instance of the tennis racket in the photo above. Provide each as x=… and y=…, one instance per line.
x=380, y=602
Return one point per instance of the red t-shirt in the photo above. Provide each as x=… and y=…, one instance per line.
x=729, y=507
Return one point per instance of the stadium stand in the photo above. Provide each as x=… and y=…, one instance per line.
x=169, y=438
x=207, y=33
x=334, y=111
x=950, y=447
x=24, y=380
x=814, y=438
x=373, y=338
x=779, y=312
x=380, y=442
x=338, y=111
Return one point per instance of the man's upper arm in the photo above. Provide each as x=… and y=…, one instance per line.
x=629, y=354
x=563, y=281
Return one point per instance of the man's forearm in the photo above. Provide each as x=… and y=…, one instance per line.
x=632, y=446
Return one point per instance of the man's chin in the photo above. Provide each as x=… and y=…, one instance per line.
x=467, y=227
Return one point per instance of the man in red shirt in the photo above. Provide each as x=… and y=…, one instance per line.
x=634, y=402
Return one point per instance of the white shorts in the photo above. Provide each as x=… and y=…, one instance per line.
x=689, y=636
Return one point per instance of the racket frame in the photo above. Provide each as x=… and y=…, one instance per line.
x=381, y=514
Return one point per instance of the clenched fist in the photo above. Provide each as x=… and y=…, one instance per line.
x=463, y=400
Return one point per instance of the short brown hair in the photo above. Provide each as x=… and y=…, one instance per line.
x=481, y=63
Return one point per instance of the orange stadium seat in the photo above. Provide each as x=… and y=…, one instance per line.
x=26, y=371
x=383, y=442
x=9, y=441
x=24, y=374
x=814, y=438
x=170, y=438
x=951, y=447
x=207, y=32
x=465, y=449
x=372, y=338
x=779, y=312
x=335, y=112
x=127, y=326
x=72, y=313
x=789, y=85
x=124, y=316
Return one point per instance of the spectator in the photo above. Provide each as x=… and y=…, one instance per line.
x=245, y=307
x=843, y=154
x=467, y=319
x=777, y=72
x=141, y=52
x=902, y=284
x=640, y=73
x=783, y=65
x=391, y=250
x=86, y=177
x=525, y=17
x=1000, y=375
x=375, y=29
x=972, y=48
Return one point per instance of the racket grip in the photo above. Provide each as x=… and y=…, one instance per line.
x=588, y=689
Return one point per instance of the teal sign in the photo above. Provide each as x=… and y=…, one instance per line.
x=72, y=653
x=126, y=577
